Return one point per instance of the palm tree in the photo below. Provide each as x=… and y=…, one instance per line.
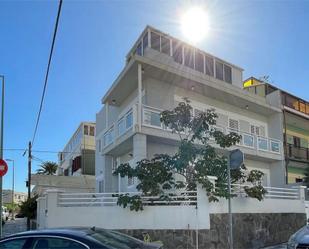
x=47, y=168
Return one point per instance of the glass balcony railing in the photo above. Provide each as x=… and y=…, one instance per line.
x=299, y=153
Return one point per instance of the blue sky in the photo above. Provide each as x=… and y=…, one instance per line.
x=263, y=37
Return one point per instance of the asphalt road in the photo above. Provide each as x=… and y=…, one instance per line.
x=14, y=226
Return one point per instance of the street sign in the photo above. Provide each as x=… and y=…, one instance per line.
x=236, y=159
x=3, y=167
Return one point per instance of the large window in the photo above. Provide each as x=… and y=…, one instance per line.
x=129, y=120
x=219, y=70
x=145, y=42
x=227, y=74
x=199, y=62
x=155, y=41
x=189, y=57
x=91, y=131
x=177, y=51
x=85, y=129
x=121, y=126
x=209, y=66
x=165, y=45
x=152, y=118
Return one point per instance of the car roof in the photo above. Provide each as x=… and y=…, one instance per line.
x=67, y=231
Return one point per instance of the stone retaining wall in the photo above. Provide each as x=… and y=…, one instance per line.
x=251, y=231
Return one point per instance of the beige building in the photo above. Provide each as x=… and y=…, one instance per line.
x=19, y=197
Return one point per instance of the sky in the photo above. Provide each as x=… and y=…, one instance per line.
x=263, y=37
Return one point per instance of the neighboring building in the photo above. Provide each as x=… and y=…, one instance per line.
x=78, y=156
x=19, y=197
x=80, y=184
x=295, y=127
x=160, y=70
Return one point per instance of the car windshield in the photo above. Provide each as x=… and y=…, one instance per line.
x=115, y=240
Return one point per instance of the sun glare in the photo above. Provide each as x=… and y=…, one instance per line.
x=195, y=24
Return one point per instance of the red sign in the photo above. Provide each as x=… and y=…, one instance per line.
x=3, y=167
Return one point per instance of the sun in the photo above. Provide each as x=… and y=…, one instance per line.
x=195, y=24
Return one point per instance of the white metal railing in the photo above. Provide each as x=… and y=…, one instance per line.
x=151, y=118
x=272, y=192
x=110, y=199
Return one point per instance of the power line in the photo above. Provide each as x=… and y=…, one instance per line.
x=47, y=73
x=47, y=151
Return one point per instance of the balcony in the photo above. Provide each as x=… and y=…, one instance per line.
x=297, y=153
x=151, y=118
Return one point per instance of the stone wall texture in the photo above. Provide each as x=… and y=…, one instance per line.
x=251, y=231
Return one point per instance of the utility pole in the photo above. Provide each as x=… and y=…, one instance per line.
x=29, y=181
x=1, y=150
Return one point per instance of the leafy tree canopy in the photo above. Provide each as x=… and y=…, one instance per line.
x=47, y=168
x=194, y=161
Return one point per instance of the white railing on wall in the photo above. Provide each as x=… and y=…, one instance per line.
x=110, y=199
x=151, y=118
x=272, y=192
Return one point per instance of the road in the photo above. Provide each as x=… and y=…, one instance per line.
x=14, y=226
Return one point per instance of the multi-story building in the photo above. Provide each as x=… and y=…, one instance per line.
x=295, y=126
x=78, y=156
x=160, y=70
x=7, y=196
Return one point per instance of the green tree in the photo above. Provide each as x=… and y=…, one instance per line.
x=28, y=208
x=47, y=168
x=194, y=160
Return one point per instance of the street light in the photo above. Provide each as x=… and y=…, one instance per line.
x=13, y=185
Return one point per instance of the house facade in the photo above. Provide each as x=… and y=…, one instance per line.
x=78, y=156
x=295, y=127
x=8, y=194
x=160, y=71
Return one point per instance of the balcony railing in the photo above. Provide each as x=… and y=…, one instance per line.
x=299, y=153
x=151, y=118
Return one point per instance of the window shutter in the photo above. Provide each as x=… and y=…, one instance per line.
x=233, y=124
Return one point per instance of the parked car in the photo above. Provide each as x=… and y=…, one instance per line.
x=77, y=238
x=300, y=239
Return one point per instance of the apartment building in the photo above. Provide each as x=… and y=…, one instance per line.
x=78, y=156
x=8, y=194
x=160, y=70
x=295, y=126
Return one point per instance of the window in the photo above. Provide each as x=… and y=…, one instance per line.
x=86, y=129
x=255, y=130
x=274, y=146
x=227, y=74
x=129, y=120
x=302, y=107
x=219, y=70
x=165, y=45
x=145, y=42
x=152, y=118
x=233, y=124
x=121, y=126
x=199, y=62
x=209, y=66
x=91, y=132
x=177, y=52
x=189, y=57
x=56, y=243
x=13, y=244
x=291, y=102
x=139, y=49
x=155, y=41
x=296, y=142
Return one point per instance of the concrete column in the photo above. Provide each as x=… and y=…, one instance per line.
x=107, y=172
x=139, y=107
x=139, y=147
x=106, y=114
x=51, y=207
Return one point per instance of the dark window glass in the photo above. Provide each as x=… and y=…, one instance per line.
x=86, y=130
x=209, y=66
x=145, y=41
x=296, y=141
x=291, y=102
x=227, y=74
x=155, y=41
x=165, y=45
x=91, y=133
x=139, y=49
x=297, y=180
x=13, y=244
x=219, y=70
x=189, y=57
x=56, y=243
x=177, y=51
x=199, y=62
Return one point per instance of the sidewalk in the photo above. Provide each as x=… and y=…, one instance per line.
x=14, y=226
